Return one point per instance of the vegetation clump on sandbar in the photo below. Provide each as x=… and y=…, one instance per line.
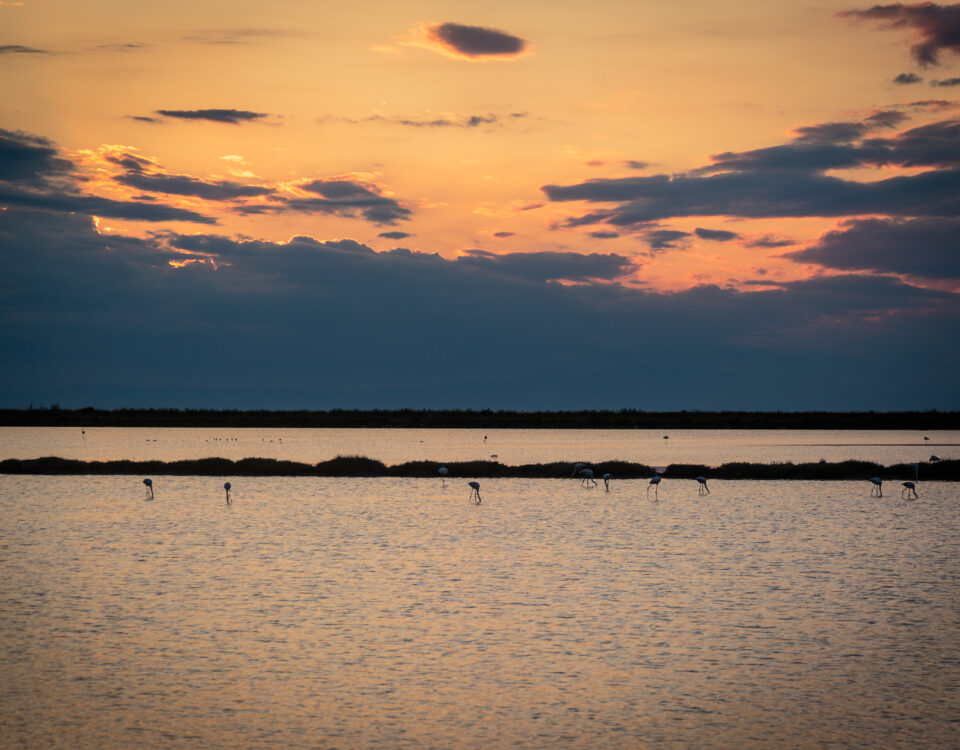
x=361, y=466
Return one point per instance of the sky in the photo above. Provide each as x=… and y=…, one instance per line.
x=704, y=204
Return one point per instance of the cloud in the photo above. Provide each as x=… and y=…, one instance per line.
x=926, y=247
x=29, y=159
x=34, y=175
x=19, y=49
x=231, y=116
x=550, y=266
x=789, y=180
x=220, y=190
x=338, y=197
x=664, y=239
x=601, y=235
x=476, y=43
x=946, y=82
x=635, y=164
x=905, y=79
x=144, y=118
x=938, y=26
x=442, y=121
x=394, y=235
x=503, y=235
x=769, y=241
x=255, y=324
x=717, y=235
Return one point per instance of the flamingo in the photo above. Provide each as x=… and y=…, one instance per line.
x=226, y=486
x=703, y=489
x=908, y=487
x=655, y=483
x=149, y=484
x=576, y=468
x=475, y=491
x=934, y=459
x=606, y=481
x=877, y=487
x=587, y=475
x=442, y=471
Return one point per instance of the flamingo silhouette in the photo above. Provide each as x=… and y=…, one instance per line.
x=576, y=468
x=703, y=489
x=226, y=487
x=475, y=492
x=877, y=488
x=587, y=475
x=442, y=471
x=655, y=483
x=149, y=484
x=908, y=487
x=606, y=481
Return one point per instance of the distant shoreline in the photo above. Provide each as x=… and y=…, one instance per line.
x=360, y=466
x=483, y=419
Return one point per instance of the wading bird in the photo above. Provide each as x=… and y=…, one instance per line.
x=655, y=483
x=149, y=484
x=877, y=488
x=576, y=468
x=908, y=487
x=442, y=471
x=587, y=479
x=606, y=481
x=934, y=459
x=703, y=489
x=475, y=492
x=226, y=487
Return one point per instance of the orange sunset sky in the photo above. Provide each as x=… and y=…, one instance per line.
x=663, y=147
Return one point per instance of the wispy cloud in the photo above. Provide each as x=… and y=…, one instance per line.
x=230, y=116
x=19, y=49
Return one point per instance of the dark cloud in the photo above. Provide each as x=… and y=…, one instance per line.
x=634, y=164
x=938, y=26
x=768, y=241
x=831, y=132
x=761, y=195
x=394, y=235
x=476, y=41
x=34, y=175
x=604, y=235
x=231, y=116
x=339, y=198
x=220, y=190
x=550, y=266
x=946, y=82
x=29, y=159
x=718, y=235
x=19, y=49
x=335, y=324
x=917, y=247
x=905, y=79
x=503, y=235
x=143, y=118
x=664, y=239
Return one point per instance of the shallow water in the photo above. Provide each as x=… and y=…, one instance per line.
x=322, y=612
x=393, y=446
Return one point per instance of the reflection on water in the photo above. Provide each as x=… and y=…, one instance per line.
x=394, y=613
x=394, y=446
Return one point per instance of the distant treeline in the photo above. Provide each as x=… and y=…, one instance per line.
x=360, y=466
x=484, y=419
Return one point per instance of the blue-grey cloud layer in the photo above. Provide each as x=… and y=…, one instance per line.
x=106, y=320
x=938, y=26
x=476, y=41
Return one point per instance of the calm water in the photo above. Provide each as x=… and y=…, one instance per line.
x=349, y=613
x=392, y=446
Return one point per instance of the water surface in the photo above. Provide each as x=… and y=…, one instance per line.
x=327, y=612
